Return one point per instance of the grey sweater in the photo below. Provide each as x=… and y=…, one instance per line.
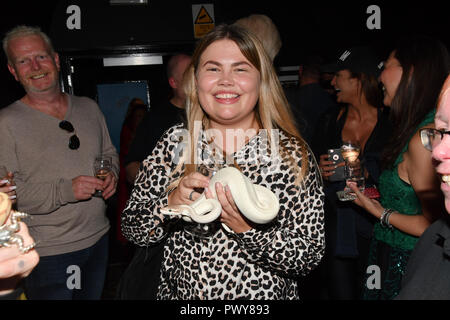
x=36, y=150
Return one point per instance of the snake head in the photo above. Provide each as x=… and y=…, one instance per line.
x=175, y=210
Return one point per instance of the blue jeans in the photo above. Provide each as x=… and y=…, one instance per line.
x=78, y=275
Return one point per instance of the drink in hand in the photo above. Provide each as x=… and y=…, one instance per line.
x=350, y=151
x=102, y=174
x=102, y=167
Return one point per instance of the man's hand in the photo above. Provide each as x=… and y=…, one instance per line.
x=84, y=186
x=109, y=186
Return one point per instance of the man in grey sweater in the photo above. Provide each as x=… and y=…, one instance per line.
x=49, y=140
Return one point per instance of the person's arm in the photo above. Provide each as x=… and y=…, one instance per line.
x=14, y=265
x=424, y=181
x=35, y=198
x=142, y=222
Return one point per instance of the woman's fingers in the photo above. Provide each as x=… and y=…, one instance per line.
x=195, y=180
x=188, y=189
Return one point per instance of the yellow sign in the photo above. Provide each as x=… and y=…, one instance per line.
x=203, y=17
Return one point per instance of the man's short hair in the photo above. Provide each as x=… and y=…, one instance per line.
x=172, y=63
x=23, y=31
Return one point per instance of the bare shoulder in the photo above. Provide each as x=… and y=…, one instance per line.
x=416, y=148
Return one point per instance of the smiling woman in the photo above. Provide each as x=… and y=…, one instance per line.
x=410, y=198
x=228, y=87
x=361, y=119
x=232, y=87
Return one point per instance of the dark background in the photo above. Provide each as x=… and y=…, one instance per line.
x=306, y=27
x=165, y=27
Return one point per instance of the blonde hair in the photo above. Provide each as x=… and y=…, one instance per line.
x=272, y=111
x=24, y=31
x=265, y=30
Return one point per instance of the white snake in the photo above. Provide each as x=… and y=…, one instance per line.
x=257, y=203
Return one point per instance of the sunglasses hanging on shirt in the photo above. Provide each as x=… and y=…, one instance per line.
x=74, y=142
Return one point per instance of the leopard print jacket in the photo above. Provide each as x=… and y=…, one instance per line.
x=261, y=263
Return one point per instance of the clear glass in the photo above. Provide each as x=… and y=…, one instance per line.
x=350, y=150
x=353, y=170
x=102, y=167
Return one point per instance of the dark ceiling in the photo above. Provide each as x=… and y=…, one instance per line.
x=306, y=27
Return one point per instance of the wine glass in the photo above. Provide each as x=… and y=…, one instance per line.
x=350, y=150
x=102, y=167
x=353, y=170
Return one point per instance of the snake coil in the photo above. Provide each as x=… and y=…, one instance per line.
x=257, y=203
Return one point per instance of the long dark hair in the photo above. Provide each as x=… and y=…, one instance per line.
x=370, y=88
x=425, y=63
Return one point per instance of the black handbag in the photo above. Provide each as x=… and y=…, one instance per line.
x=141, y=278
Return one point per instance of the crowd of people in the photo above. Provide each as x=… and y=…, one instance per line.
x=228, y=108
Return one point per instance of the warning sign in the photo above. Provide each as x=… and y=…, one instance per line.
x=203, y=18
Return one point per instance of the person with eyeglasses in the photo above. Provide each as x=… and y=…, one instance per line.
x=49, y=140
x=428, y=272
x=410, y=199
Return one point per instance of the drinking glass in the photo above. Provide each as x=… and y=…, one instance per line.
x=350, y=150
x=353, y=170
x=102, y=167
x=354, y=173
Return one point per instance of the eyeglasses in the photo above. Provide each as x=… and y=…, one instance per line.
x=431, y=137
x=74, y=142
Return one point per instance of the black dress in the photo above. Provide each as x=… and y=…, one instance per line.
x=348, y=227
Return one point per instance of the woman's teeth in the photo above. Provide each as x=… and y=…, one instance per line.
x=446, y=179
x=226, y=95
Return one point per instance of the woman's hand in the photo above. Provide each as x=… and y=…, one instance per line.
x=370, y=205
x=230, y=215
x=8, y=186
x=327, y=167
x=186, y=192
x=14, y=265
